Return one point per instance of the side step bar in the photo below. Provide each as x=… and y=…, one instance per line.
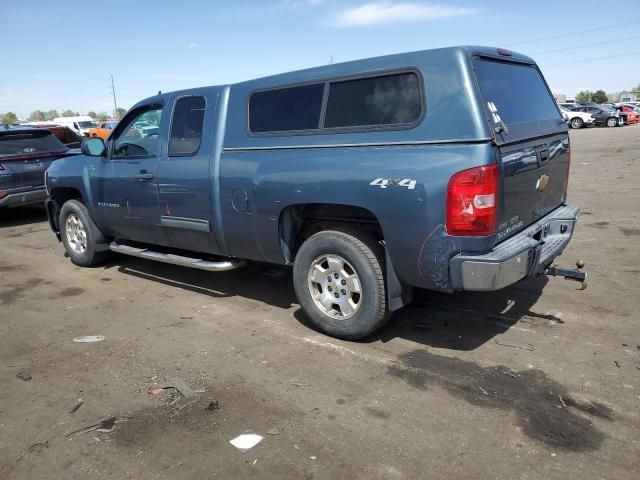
x=222, y=266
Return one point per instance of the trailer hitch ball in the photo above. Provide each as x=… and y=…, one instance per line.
x=576, y=274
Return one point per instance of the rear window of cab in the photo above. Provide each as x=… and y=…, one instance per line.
x=383, y=101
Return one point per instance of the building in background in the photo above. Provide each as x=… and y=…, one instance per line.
x=629, y=97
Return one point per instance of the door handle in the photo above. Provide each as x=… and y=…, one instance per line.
x=143, y=176
x=544, y=155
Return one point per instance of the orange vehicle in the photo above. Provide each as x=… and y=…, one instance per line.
x=104, y=129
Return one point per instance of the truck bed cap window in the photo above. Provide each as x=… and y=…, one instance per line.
x=286, y=109
x=382, y=100
x=385, y=100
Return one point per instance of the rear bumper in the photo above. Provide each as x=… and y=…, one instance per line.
x=21, y=197
x=526, y=254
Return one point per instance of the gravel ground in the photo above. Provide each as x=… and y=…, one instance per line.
x=438, y=393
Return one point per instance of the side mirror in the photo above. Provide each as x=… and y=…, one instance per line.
x=565, y=117
x=93, y=147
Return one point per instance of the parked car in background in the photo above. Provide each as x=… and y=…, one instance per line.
x=633, y=113
x=103, y=129
x=570, y=106
x=25, y=154
x=578, y=119
x=604, y=115
x=80, y=124
x=67, y=136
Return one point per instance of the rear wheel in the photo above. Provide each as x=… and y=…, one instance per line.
x=80, y=237
x=339, y=282
x=612, y=122
x=576, y=122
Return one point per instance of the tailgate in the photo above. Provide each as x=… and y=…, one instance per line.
x=23, y=173
x=25, y=154
x=532, y=141
x=534, y=182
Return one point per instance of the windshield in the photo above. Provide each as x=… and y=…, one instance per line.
x=30, y=144
x=515, y=92
x=87, y=124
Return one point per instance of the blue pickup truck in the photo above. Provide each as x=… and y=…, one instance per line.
x=443, y=169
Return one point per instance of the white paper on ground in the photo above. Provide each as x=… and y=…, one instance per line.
x=246, y=441
x=89, y=339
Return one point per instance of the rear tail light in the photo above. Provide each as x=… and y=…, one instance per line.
x=2, y=194
x=472, y=202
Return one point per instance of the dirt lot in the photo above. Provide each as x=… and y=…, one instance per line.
x=445, y=398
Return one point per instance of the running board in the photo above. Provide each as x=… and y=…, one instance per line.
x=230, y=264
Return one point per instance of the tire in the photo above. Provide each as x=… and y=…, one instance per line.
x=359, y=282
x=576, y=122
x=80, y=237
x=612, y=122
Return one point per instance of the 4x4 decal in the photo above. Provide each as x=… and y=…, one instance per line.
x=410, y=183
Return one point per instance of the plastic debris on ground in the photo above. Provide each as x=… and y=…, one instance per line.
x=107, y=425
x=273, y=431
x=89, y=339
x=76, y=406
x=24, y=375
x=246, y=441
x=522, y=346
x=189, y=396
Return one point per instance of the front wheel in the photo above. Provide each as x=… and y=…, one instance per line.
x=339, y=282
x=612, y=122
x=576, y=122
x=80, y=237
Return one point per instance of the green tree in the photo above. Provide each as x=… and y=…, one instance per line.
x=599, y=96
x=51, y=114
x=70, y=113
x=120, y=113
x=8, y=118
x=102, y=116
x=37, y=116
x=92, y=114
x=584, y=96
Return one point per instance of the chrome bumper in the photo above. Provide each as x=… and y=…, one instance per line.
x=525, y=254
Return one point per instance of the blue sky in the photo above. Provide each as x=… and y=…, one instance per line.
x=59, y=55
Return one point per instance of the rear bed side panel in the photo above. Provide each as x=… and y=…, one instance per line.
x=412, y=220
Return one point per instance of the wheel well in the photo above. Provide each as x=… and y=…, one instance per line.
x=62, y=194
x=299, y=222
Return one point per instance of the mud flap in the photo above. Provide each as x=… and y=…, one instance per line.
x=398, y=295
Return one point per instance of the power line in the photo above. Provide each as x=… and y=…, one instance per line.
x=586, y=45
x=575, y=33
x=593, y=59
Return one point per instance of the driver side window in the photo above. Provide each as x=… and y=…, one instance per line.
x=139, y=137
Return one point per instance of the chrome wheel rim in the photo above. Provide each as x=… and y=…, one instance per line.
x=335, y=286
x=612, y=122
x=576, y=123
x=76, y=234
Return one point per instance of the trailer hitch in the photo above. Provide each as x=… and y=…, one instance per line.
x=576, y=274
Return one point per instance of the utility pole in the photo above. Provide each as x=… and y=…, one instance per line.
x=115, y=105
x=331, y=60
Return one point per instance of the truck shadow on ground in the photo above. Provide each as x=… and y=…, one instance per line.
x=14, y=217
x=463, y=321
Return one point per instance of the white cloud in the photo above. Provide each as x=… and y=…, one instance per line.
x=379, y=13
x=193, y=45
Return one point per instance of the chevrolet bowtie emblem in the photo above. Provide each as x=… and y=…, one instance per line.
x=542, y=183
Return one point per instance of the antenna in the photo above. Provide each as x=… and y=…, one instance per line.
x=331, y=60
x=115, y=105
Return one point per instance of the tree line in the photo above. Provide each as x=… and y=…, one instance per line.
x=47, y=116
x=600, y=96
